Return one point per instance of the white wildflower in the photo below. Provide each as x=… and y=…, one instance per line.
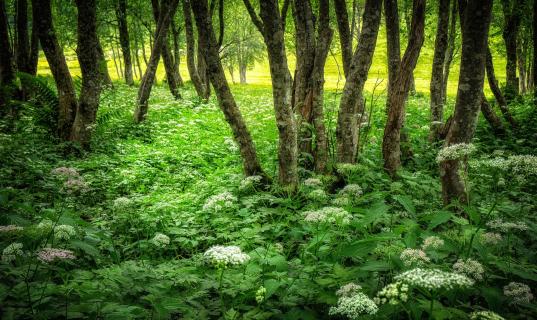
x=328, y=215
x=393, y=294
x=469, y=267
x=65, y=172
x=250, y=183
x=433, y=242
x=222, y=256
x=75, y=185
x=218, y=202
x=485, y=315
x=434, y=279
x=354, y=306
x=231, y=144
x=45, y=225
x=48, y=255
x=10, y=228
x=414, y=257
x=317, y=195
x=499, y=224
x=64, y=232
x=352, y=190
x=347, y=168
x=489, y=238
x=455, y=152
x=122, y=202
x=348, y=290
x=313, y=182
x=161, y=240
x=11, y=252
x=518, y=292
x=341, y=201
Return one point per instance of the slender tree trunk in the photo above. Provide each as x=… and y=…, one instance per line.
x=121, y=14
x=242, y=73
x=21, y=35
x=226, y=101
x=475, y=25
x=450, y=52
x=191, y=51
x=7, y=73
x=271, y=26
x=521, y=63
x=393, y=43
x=202, y=71
x=408, y=22
x=437, y=76
x=510, y=34
x=88, y=57
x=168, y=9
x=534, y=64
x=345, y=37
x=176, y=52
x=391, y=144
x=56, y=60
x=103, y=67
x=491, y=117
x=346, y=132
x=34, y=49
x=116, y=65
x=493, y=84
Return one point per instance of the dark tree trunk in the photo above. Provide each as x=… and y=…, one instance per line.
x=491, y=117
x=391, y=144
x=167, y=57
x=511, y=10
x=534, y=64
x=393, y=44
x=202, y=71
x=437, y=76
x=103, y=67
x=226, y=101
x=475, y=25
x=168, y=9
x=450, y=52
x=176, y=52
x=121, y=14
x=21, y=35
x=56, y=60
x=346, y=132
x=344, y=31
x=493, y=84
x=7, y=73
x=88, y=57
x=191, y=51
x=521, y=63
x=271, y=26
x=34, y=49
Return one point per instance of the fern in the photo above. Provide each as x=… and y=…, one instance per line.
x=43, y=102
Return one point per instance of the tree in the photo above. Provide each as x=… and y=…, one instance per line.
x=121, y=14
x=511, y=12
x=346, y=132
x=88, y=58
x=7, y=73
x=391, y=143
x=226, y=101
x=450, y=52
x=493, y=84
x=167, y=10
x=191, y=52
x=393, y=42
x=271, y=25
x=58, y=66
x=437, y=75
x=475, y=25
x=311, y=52
x=534, y=64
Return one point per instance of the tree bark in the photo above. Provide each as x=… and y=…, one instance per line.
x=510, y=34
x=21, y=35
x=56, y=60
x=226, y=101
x=534, y=64
x=103, y=67
x=345, y=37
x=475, y=25
x=176, y=52
x=168, y=8
x=450, y=52
x=437, y=75
x=493, y=84
x=346, y=131
x=88, y=57
x=521, y=63
x=393, y=43
x=121, y=14
x=242, y=73
x=271, y=26
x=391, y=144
x=34, y=49
x=491, y=117
x=191, y=51
x=7, y=72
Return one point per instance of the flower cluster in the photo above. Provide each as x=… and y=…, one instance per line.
x=517, y=164
x=455, y=152
x=260, y=294
x=250, y=183
x=485, y=315
x=11, y=252
x=317, y=195
x=328, y=215
x=67, y=172
x=518, y=292
x=161, y=240
x=354, y=306
x=341, y=201
x=347, y=168
x=231, y=144
x=122, y=202
x=75, y=185
x=222, y=256
x=469, y=267
x=433, y=242
x=352, y=190
x=499, y=224
x=434, y=279
x=348, y=290
x=220, y=201
x=48, y=255
x=10, y=228
x=491, y=238
x=414, y=257
x=64, y=232
x=313, y=182
x=45, y=225
x=394, y=293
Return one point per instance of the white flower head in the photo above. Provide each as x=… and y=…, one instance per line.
x=414, y=257
x=469, y=267
x=433, y=242
x=317, y=195
x=341, y=201
x=11, y=252
x=122, y=202
x=10, y=228
x=313, y=182
x=330, y=215
x=351, y=190
x=64, y=232
x=250, y=182
x=455, y=152
x=161, y=240
x=499, y=224
x=218, y=202
x=224, y=256
x=347, y=169
x=491, y=238
x=66, y=172
x=354, y=306
x=434, y=279
x=518, y=292
x=348, y=290
x=48, y=255
x=393, y=294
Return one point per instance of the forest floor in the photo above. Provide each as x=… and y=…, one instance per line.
x=149, y=200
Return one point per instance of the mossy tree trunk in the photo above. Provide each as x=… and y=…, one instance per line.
x=191, y=50
x=124, y=40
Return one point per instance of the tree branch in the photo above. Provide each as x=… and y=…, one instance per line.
x=255, y=19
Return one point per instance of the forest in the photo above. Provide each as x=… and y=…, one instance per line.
x=268, y=159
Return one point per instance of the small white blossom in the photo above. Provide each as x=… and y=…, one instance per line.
x=75, y=185
x=218, y=202
x=485, y=315
x=351, y=190
x=455, y=152
x=161, y=240
x=313, y=182
x=231, y=144
x=347, y=168
x=341, y=201
x=222, y=256
x=11, y=252
x=469, y=267
x=354, y=306
x=348, y=290
x=64, y=232
x=499, y=224
x=491, y=238
x=393, y=294
x=250, y=183
x=433, y=242
x=518, y=292
x=317, y=195
x=122, y=202
x=10, y=228
x=48, y=255
x=434, y=279
x=45, y=225
x=414, y=257
x=65, y=172
x=328, y=215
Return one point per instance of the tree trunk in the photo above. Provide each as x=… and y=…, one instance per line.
x=242, y=73
x=56, y=60
x=521, y=63
x=450, y=52
x=510, y=34
x=345, y=37
x=493, y=84
x=176, y=52
x=88, y=57
x=168, y=8
x=7, y=73
x=103, y=67
x=191, y=51
x=391, y=144
x=491, y=117
x=34, y=49
x=346, y=132
x=22, y=39
x=393, y=44
x=475, y=25
x=226, y=101
x=202, y=71
x=271, y=26
x=121, y=14
x=534, y=64
x=437, y=75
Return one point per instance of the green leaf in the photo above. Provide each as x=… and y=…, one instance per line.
x=87, y=248
x=439, y=218
x=376, y=266
x=272, y=286
x=406, y=202
x=376, y=211
x=358, y=248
